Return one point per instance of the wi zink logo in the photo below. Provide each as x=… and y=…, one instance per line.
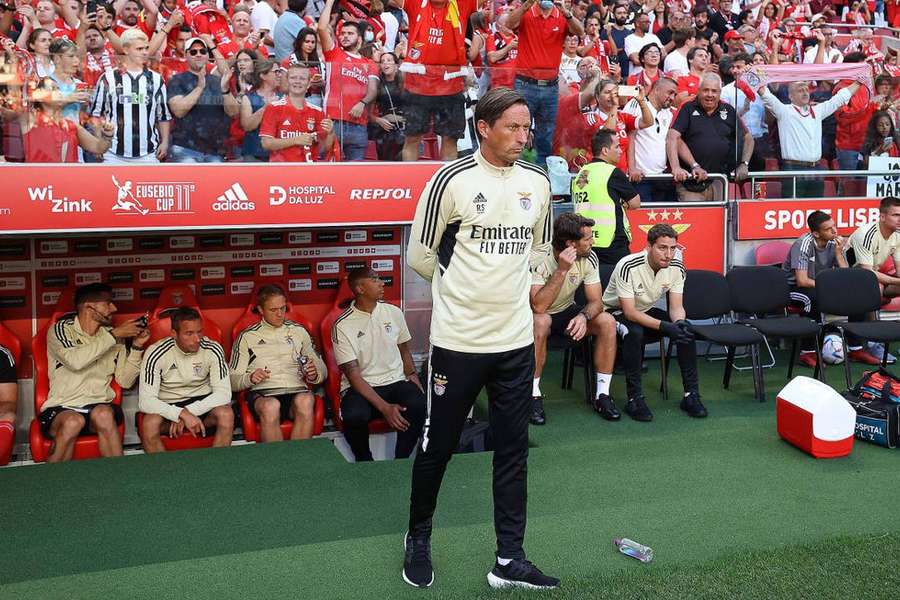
x=59, y=205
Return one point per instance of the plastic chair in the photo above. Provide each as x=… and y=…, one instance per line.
x=831, y=293
x=761, y=292
x=771, y=253
x=160, y=325
x=86, y=446
x=707, y=296
x=333, y=384
x=251, y=317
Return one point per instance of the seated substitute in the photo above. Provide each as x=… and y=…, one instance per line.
x=84, y=353
x=638, y=282
x=553, y=285
x=185, y=385
x=379, y=377
x=819, y=250
x=276, y=361
x=8, y=395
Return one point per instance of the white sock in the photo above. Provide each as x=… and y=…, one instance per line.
x=504, y=561
x=603, y=381
x=536, y=387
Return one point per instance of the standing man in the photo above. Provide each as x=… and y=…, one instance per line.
x=352, y=84
x=286, y=28
x=481, y=221
x=436, y=72
x=708, y=136
x=542, y=31
x=640, y=38
x=602, y=193
x=647, y=150
x=292, y=129
x=617, y=33
x=800, y=133
x=134, y=97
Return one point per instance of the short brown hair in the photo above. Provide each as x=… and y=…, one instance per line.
x=494, y=103
x=888, y=202
x=567, y=228
x=661, y=230
x=182, y=314
x=268, y=292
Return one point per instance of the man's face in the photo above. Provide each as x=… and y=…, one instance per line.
x=198, y=57
x=620, y=14
x=737, y=68
x=826, y=232
x=298, y=81
x=188, y=335
x=661, y=252
x=709, y=93
x=583, y=245
x=891, y=218
x=593, y=26
x=571, y=43
x=608, y=98
x=664, y=94
x=799, y=93
x=181, y=40
x=701, y=20
x=349, y=38
x=138, y=50
x=129, y=14
x=45, y=12
x=700, y=60
x=370, y=287
x=612, y=153
x=507, y=137
x=273, y=310
x=735, y=45
x=93, y=40
x=102, y=310
x=584, y=67
x=579, y=9
x=642, y=23
x=725, y=6
x=748, y=34
x=679, y=20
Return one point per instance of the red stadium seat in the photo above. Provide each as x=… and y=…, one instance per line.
x=431, y=149
x=734, y=191
x=830, y=188
x=771, y=253
x=251, y=317
x=333, y=384
x=160, y=326
x=86, y=446
x=773, y=188
x=890, y=304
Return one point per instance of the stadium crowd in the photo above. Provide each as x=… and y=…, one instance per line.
x=298, y=80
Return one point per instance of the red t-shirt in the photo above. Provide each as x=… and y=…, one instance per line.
x=541, y=43
x=436, y=42
x=642, y=79
x=689, y=84
x=572, y=134
x=624, y=124
x=62, y=29
x=348, y=80
x=853, y=118
x=598, y=47
x=95, y=66
x=503, y=72
x=217, y=26
x=50, y=142
x=121, y=28
x=282, y=120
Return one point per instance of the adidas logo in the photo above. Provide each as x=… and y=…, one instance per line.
x=479, y=198
x=234, y=199
x=695, y=114
x=360, y=334
x=261, y=342
x=286, y=122
x=174, y=367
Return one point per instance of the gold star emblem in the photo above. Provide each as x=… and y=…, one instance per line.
x=677, y=214
x=665, y=214
x=652, y=215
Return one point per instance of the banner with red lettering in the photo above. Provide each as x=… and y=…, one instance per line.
x=700, y=229
x=172, y=197
x=783, y=219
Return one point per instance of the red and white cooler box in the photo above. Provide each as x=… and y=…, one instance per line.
x=815, y=418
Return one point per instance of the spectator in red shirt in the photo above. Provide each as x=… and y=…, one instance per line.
x=852, y=120
x=698, y=63
x=291, y=128
x=130, y=17
x=352, y=84
x=542, y=30
x=649, y=57
x=435, y=70
x=502, y=50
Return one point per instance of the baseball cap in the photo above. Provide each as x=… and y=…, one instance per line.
x=731, y=35
x=192, y=41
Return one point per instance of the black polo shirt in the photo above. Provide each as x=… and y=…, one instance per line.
x=715, y=140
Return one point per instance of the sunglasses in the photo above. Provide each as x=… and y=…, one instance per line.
x=197, y=51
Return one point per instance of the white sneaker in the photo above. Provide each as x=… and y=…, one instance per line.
x=877, y=350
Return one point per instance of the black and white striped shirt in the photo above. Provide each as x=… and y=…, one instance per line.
x=135, y=103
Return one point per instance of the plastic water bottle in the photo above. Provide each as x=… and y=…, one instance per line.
x=634, y=550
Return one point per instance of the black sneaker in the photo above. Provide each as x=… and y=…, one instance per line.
x=520, y=573
x=606, y=408
x=637, y=409
x=691, y=405
x=537, y=411
x=417, y=570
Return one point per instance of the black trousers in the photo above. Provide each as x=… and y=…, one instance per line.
x=454, y=382
x=633, y=352
x=616, y=251
x=357, y=412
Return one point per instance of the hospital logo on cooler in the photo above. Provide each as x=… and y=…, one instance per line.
x=439, y=384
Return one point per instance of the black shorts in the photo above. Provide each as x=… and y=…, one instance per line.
x=560, y=321
x=47, y=416
x=179, y=404
x=7, y=366
x=285, y=401
x=448, y=112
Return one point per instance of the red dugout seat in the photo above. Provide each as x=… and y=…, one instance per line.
x=86, y=446
x=251, y=317
x=333, y=384
x=160, y=325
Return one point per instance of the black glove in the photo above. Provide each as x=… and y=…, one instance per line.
x=685, y=326
x=678, y=334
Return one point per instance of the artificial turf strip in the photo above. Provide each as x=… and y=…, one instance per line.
x=295, y=519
